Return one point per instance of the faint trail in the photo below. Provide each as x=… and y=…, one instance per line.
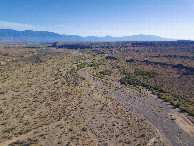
x=156, y=111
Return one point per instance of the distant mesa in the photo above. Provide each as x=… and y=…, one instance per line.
x=30, y=36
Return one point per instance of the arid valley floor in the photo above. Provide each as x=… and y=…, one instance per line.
x=123, y=93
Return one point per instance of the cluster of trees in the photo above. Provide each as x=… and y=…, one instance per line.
x=129, y=79
x=145, y=74
x=133, y=80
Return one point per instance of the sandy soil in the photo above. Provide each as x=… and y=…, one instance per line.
x=178, y=131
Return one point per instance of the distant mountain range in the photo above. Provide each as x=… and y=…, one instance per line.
x=29, y=36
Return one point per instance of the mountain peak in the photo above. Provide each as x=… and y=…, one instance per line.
x=30, y=36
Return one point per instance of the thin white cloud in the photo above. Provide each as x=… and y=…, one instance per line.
x=18, y=26
x=64, y=26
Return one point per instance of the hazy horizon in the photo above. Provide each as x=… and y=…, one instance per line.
x=80, y=35
x=167, y=19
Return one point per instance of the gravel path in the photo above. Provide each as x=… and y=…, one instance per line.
x=160, y=114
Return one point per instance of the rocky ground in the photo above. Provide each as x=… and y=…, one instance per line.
x=174, y=127
x=45, y=100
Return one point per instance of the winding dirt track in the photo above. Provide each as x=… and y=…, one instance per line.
x=160, y=114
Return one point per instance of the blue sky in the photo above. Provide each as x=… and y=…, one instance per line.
x=166, y=18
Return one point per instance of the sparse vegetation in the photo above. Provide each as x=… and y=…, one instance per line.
x=74, y=97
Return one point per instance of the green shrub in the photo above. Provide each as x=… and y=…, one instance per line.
x=145, y=74
x=166, y=99
x=178, y=104
x=2, y=92
x=143, y=135
x=106, y=72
